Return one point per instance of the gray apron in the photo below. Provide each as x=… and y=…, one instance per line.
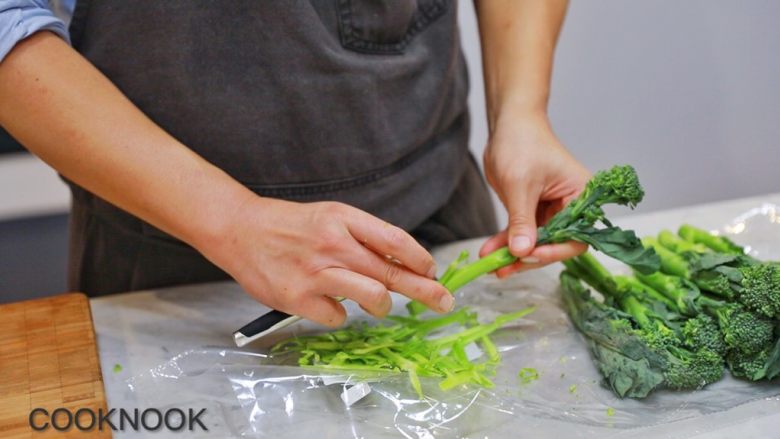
x=358, y=101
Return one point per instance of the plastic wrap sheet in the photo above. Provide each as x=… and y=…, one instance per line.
x=251, y=394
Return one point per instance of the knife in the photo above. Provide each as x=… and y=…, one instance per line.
x=268, y=323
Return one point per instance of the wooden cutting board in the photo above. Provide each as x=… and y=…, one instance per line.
x=48, y=359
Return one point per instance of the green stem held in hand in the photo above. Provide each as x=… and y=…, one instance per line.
x=455, y=277
x=492, y=262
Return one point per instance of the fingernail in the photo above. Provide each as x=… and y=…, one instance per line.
x=432, y=272
x=446, y=303
x=520, y=243
x=387, y=309
x=530, y=260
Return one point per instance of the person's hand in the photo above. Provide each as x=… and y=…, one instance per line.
x=297, y=257
x=534, y=176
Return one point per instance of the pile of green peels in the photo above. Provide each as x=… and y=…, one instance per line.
x=419, y=347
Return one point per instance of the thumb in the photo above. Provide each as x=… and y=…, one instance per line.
x=521, y=205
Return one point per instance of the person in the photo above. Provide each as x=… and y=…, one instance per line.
x=308, y=150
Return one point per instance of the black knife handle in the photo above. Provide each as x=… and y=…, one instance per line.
x=263, y=323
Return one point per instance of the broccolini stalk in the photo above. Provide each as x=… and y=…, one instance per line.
x=685, y=249
x=618, y=185
x=458, y=274
x=720, y=244
x=728, y=272
x=671, y=262
x=681, y=256
x=492, y=262
x=641, y=314
x=647, y=293
x=681, y=291
x=453, y=267
x=589, y=269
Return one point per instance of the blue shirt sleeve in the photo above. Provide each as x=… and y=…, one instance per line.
x=21, y=18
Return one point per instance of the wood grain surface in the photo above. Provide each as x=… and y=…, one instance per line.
x=48, y=359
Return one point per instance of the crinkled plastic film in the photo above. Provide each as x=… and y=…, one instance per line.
x=249, y=393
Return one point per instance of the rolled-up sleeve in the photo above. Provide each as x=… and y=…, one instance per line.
x=21, y=18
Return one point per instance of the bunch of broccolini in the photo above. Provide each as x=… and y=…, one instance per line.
x=710, y=305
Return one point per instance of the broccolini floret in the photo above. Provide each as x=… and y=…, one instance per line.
x=751, y=367
x=619, y=185
x=692, y=369
x=743, y=332
x=756, y=285
x=760, y=289
x=703, y=331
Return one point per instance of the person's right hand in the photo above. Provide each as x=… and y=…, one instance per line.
x=296, y=257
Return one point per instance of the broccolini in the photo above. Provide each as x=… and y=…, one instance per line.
x=577, y=221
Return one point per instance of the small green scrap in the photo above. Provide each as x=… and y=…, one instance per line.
x=528, y=374
x=610, y=412
x=572, y=388
x=117, y=368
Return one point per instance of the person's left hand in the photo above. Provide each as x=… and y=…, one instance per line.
x=534, y=176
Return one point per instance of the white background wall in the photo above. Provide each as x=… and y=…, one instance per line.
x=688, y=92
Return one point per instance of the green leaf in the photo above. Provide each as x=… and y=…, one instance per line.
x=619, y=244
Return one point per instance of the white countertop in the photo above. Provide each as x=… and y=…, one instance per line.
x=142, y=330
